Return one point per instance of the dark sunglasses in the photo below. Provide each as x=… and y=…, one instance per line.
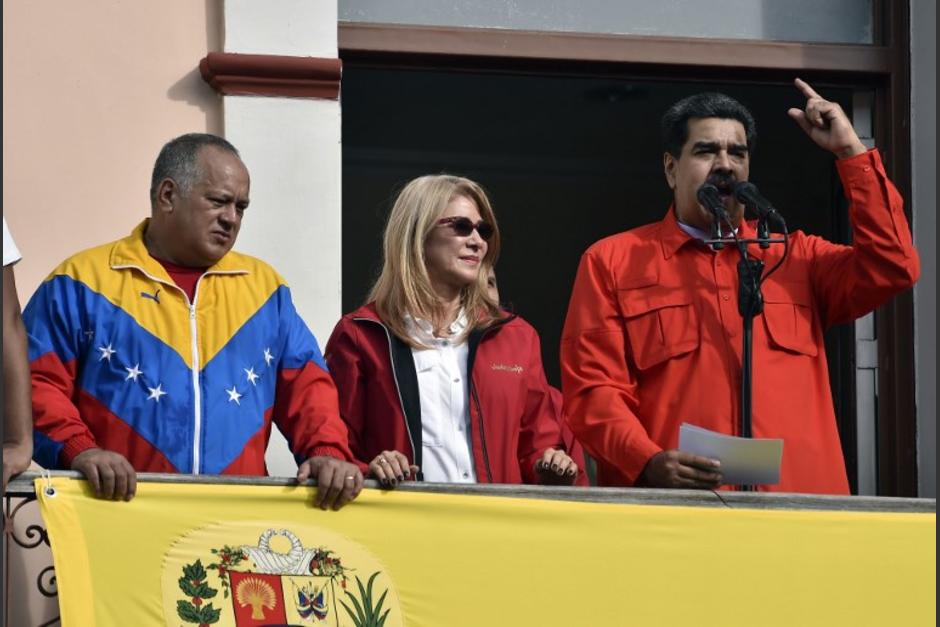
x=464, y=227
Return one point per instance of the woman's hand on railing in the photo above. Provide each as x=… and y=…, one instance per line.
x=391, y=468
x=338, y=482
x=556, y=468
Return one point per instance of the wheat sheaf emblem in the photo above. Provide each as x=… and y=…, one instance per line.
x=266, y=585
x=256, y=593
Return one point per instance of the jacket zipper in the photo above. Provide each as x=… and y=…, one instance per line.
x=197, y=394
x=401, y=403
x=194, y=345
x=486, y=457
x=476, y=399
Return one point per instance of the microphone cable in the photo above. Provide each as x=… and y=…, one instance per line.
x=776, y=266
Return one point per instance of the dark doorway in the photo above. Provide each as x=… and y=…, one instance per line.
x=567, y=160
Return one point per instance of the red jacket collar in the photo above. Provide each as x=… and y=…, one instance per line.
x=367, y=311
x=672, y=238
x=370, y=312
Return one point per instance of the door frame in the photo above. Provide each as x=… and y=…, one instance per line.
x=882, y=67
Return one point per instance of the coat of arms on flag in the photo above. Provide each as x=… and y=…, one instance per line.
x=277, y=580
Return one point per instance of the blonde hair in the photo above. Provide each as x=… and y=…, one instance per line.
x=404, y=287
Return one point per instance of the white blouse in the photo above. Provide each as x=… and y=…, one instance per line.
x=445, y=409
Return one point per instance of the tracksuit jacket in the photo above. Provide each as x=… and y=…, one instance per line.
x=512, y=417
x=121, y=360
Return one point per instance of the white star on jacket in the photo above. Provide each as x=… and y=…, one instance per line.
x=106, y=352
x=252, y=377
x=268, y=356
x=233, y=395
x=133, y=373
x=156, y=393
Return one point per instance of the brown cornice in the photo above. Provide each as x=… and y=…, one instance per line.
x=640, y=49
x=233, y=74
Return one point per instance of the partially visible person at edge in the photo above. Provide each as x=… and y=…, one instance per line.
x=653, y=334
x=434, y=380
x=17, y=413
x=166, y=351
x=574, y=448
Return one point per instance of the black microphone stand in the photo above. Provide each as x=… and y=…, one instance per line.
x=750, y=303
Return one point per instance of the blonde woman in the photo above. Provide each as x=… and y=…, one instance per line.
x=435, y=381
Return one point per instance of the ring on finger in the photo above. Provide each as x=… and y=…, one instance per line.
x=350, y=478
x=382, y=460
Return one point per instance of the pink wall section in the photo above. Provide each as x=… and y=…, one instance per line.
x=91, y=91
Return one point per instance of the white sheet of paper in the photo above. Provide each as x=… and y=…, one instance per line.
x=744, y=461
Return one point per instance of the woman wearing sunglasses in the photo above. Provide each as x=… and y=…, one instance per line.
x=431, y=374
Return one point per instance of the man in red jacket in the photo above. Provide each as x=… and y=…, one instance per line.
x=653, y=335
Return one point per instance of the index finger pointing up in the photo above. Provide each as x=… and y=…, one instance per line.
x=804, y=87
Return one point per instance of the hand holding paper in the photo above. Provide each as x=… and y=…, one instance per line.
x=677, y=469
x=744, y=461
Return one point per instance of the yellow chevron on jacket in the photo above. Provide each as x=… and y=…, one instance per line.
x=126, y=275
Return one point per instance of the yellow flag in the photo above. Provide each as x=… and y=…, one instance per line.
x=191, y=555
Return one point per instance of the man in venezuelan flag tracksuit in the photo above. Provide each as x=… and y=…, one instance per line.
x=167, y=352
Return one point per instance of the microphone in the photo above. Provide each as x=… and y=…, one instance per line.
x=747, y=193
x=710, y=198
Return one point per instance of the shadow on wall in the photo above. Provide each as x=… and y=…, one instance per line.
x=191, y=89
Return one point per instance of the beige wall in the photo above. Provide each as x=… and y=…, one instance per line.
x=91, y=91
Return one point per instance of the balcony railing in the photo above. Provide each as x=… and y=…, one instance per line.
x=29, y=542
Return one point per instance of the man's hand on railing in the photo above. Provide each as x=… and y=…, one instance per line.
x=338, y=482
x=109, y=473
x=16, y=459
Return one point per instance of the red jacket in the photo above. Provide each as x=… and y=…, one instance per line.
x=653, y=335
x=512, y=417
x=572, y=446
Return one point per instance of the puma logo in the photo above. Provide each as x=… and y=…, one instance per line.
x=515, y=368
x=155, y=296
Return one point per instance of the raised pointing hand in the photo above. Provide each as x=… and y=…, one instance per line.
x=826, y=123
